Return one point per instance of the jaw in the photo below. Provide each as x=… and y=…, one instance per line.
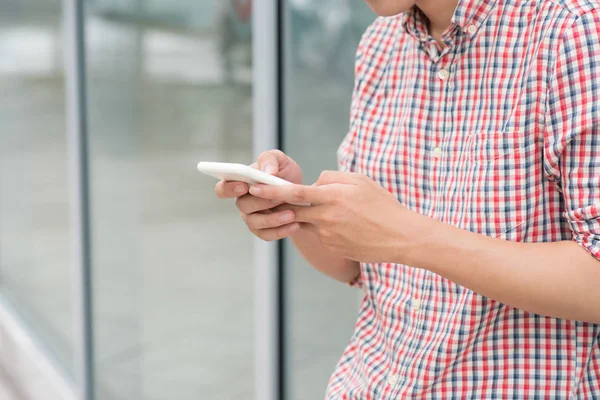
x=388, y=8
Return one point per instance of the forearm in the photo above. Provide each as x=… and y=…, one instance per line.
x=553, y=279
x=335, y=266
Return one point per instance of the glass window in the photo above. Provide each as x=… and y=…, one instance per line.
x=321, y=41
x=35, y=244
x=173, y=298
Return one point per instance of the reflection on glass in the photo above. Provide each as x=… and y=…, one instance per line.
x=35, y=251
x=173, y=298
x=319, y=70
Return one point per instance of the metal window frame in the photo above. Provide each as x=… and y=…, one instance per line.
x=267, y=134
x=267, y=42
x=80, y=208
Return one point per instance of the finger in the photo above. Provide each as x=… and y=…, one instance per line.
x=277, y=233
x=330, y=177
x=271, y=161
x=303, y=214
x=292, y=193
x=229, y=190
x=249, y=204
x=257, y=221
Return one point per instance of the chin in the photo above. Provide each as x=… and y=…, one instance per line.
x=388, y=8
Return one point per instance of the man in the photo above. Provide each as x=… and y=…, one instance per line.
x=469, y=206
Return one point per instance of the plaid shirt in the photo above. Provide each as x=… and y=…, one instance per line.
x=499, y=134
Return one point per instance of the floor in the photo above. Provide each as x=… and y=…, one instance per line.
x=7, y=388
x=173, y=265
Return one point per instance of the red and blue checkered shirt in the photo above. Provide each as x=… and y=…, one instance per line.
x=497, y=133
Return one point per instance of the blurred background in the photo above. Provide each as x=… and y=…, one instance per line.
x=169, y=83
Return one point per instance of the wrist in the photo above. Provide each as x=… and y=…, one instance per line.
x=417, y=239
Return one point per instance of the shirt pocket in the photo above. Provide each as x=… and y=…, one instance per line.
x=498, y=179
x=488, y=147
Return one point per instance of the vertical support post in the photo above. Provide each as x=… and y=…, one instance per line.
x=78, y=153
x=265, y=47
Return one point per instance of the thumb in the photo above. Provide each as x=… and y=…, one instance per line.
x=271, y=161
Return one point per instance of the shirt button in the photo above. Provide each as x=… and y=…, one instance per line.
x=392, y=380
x=437, y=152
x=472, y=29
x=443, y=74
x=416, y=305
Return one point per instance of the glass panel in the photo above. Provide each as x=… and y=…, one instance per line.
x=320, y=50
x=35, y=244
x=173, y=265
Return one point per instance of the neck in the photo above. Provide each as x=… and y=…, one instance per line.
x=439, y=13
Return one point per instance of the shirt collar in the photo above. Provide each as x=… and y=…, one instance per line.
x=472, y=13
x=468, y=16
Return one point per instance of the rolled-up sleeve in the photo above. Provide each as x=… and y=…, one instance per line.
x=572, y=137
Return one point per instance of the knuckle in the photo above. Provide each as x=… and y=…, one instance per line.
x=336, y=197
x=323, y=175
x=324, y=233
x=259, y=234
x=362, y=178
x=255, y=221
x=282, y=232
x=269, y=155
x=298, y=194
x=263, y=158
x=268, y=236
x=246, y=204
x=262, y=221
x=262, y=235
x=327, y=218
x=327, y=244
x=276, y=152
x=265, y=221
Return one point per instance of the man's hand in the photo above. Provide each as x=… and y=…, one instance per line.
x=261, y=216
x=352, y=215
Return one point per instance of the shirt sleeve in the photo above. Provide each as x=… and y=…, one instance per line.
x=572, y=137
x=346, y=153
x=371, y=58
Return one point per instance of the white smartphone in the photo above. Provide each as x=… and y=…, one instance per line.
x=239, y=173
x=242, y=173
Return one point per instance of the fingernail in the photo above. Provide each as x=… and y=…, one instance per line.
x=239, y=189
x=269, y=169
x=294, y=228
x=255, y=190
x=286, y=218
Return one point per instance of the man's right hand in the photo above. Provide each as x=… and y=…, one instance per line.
x=261, y=216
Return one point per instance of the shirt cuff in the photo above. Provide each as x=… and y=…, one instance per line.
x=585, y=225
